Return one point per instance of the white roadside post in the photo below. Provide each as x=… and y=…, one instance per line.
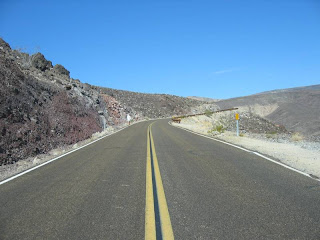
x=237, y=120
x=128, y=118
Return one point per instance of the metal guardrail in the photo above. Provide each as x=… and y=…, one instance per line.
x=175, y=119
x=178, y=119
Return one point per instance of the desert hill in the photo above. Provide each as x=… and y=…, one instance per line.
x=295, y=108
x=205, y=99
x=153, y=105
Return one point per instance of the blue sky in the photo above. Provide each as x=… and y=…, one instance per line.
x=217, y=49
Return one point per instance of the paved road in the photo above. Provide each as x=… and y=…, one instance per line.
x=97, y=192
x=213, y=191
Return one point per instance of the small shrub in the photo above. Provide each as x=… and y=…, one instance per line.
x=208, y=113
x=217, y=128
x=296, y=137
x=272, y=132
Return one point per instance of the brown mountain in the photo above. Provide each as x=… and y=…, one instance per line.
x=298, y=109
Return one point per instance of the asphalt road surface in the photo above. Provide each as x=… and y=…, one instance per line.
x=210, y=191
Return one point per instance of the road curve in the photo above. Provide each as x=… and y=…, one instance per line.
x=97, y=192
x=215, y=191
x=212, y=191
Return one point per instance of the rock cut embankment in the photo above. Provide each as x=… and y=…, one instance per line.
x=42, y=107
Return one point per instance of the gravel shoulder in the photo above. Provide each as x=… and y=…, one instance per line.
x=301, y=155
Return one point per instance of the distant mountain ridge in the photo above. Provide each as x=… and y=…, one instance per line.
x=298, y=109
x=311, y=87
x=153, y=105
x=205, y=99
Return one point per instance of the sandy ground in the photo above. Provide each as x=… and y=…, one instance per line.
x=293, y=154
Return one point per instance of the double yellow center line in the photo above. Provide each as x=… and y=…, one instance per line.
x=154, y=182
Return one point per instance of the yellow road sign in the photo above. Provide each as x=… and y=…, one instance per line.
x=237, y=116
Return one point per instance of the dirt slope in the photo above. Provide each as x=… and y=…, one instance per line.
x=297, y=109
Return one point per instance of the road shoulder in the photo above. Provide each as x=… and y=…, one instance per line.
x=296, y=158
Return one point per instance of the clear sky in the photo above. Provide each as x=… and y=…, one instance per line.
x=214, y=48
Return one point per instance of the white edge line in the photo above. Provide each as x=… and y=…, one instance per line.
x=246, y=150
x=49, y=161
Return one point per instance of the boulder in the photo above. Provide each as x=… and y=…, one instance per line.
x=4, y=45
x=40, y=62
x=86, y=87
x=61, y=70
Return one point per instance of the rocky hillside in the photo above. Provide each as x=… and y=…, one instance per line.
x=37, y=115
x=154, y=105
x=297, y=108
x=205, y=99
x=42, y=107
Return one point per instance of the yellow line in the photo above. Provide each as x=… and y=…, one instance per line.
x=166, y=227
x=150, y=225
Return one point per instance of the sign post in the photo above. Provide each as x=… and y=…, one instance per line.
x=237, y=120
x=128, y=118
